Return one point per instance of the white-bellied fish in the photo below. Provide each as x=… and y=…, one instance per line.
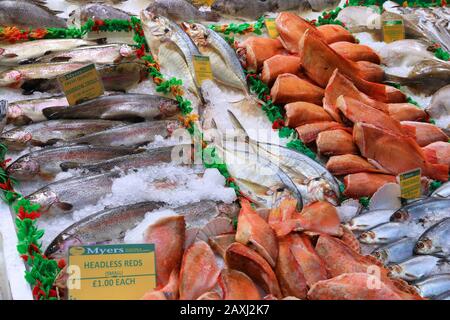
x=424, y=211
x=385, y=233
x=27, y=14
x=369, y=220
x=395, y=252
x=415, y=268
x=433, y=286
x=442, y=192
x=181, y=10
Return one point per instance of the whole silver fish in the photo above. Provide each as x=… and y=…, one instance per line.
x=127, y=107
x=50, y=132
x=225, y=64
x=26, y=14
x=24, y=112
x=369, y=220
x=128, y=161
x=173, y=48
x=443, y=191
x=47, y=162
x=439, y=108
x=96, y=11
x=415, y=268
x=423, y=211
x=13, y=54
x=254, y=9
x=395, y=252
x=181, y=10
x=433, y=286
x=130, y=135
x=101, y=54
x=436, y=240
x=65, y=196
x=384, y=233
x=112, y=224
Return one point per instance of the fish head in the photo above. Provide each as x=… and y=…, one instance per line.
x=157, y=25
x=380, y=255
x=16, y=138
x=24, y=168
x=424, y=246
x=400, y=216
x=11, y=78
x=45, y=198
x=197, y=32
x=126, y=51
x=60, y=246
x=14, y=113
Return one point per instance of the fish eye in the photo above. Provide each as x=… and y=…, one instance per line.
x=166, y=30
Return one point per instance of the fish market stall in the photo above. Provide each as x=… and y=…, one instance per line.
x=244, y=150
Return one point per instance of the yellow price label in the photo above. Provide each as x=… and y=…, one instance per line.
x=200, y=3
x=202, y=67
x=82, y=84
x=410, y=185
x=393, y=30
x=111, y=272
x=271, y=27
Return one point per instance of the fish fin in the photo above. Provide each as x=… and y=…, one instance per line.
x=65, y=206
x=65, y=166
x=52, y=141
x=52, y=113
x=237, y=124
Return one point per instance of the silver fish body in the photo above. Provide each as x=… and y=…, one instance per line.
x=436, y=240
x=26, y=14
x=181, y=10
x=112, y=224
x=369, y=220
x=131, y=135
x=98, y=54
x=27, y=111
x=96, y=11
x=423, y=211
x=50, y=132
x=47, y=162
x=439, y=108
x=65, y=196
x=433, y=286
x=385, y=233
x=443, y=296
x=132, y=161
x=126, y=107
x=395, y=252
x=415, y=268
x=225, y=64
x=13, y=54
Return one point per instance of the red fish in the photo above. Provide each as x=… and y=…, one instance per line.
x=290, y=88
x=277, y=65
x=237, y=285
x=365, y=184
x=300, y=113
x=309, y=132
x=332, y=33
x=335, y=142
x=426, y=133
x=356, y=52
x=349, y=163
x=438, y=152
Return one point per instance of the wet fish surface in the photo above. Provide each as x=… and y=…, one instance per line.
x=96, y=11
x=415, y=268
x=370, y=220
x=433, y=285
x=180, y=10
x=423, y=211
x=25, y=112
x=385, y=233
x=436, y=240
x=395, y=252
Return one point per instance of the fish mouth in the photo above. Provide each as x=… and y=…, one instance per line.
x=60, y=246
x=423, y=246
x=394, y=270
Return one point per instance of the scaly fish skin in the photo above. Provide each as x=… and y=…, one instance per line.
x=384, y=233
x=414, y=268
x=395, y=252
x=96, y=11
x=26, y=14
x=47, y=162
x=423, y=211
x=369, y=220
x=25, y=112
x=433, y=285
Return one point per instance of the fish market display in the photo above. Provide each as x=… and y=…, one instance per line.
x=315, y=126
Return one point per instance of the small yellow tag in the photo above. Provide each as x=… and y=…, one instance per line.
x=271, y=27
x=111, y=272
x=410, y=185
x=82, y=84
x=200, y=3
x=393, y=30
x=202, y=67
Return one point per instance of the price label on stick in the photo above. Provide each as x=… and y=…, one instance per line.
x=393, y=30
x=410, y=185
x=271, y=27
x=202, y=67
x=82, y=84
x=111, y=272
